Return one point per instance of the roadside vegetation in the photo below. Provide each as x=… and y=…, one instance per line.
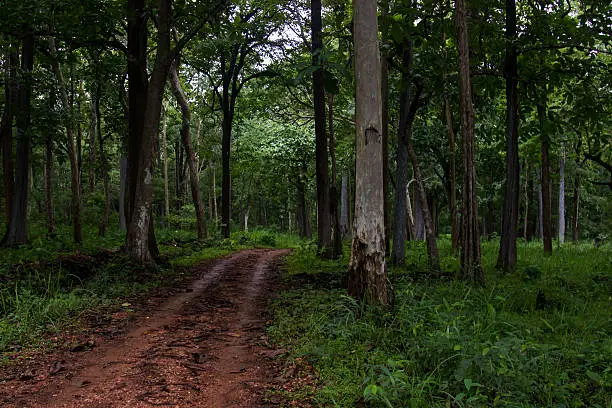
x=538, y=337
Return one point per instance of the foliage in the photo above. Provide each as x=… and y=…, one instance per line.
x=445, y=342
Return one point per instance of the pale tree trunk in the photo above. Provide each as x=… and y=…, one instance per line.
x=322, y=164
x=333, y=192
x=367, y=269
x=430, y=234
x=165, y=153
x=191, y=157
x=562, y=194
x=75, y=182
x=139, y=235
x=384, y=76
x=507, y=257
x=344, y=221
x=471, y=268
x=214, y=189
x=419, y=223
x=410, y=225
x=545, y=183
x=575, y=210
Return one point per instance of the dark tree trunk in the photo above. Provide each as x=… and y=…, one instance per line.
x=333, y=192
x=471, y=268
x=140, y=236
x=123, y=166
x=344, y=219
x=75, y=182
x=105, y=166
x=322, y=165
x=11, y=90
x=48, y=180
x=191, y=158
x=367, y=268
x=545, y=182
x=507, y=257
x=575, y=209
x=93, y=126
x=452, y=182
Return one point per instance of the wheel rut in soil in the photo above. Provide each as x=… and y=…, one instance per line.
x=202, y=348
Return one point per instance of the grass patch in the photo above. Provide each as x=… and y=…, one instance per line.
x=538, y=337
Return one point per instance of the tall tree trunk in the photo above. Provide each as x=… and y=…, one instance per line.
x=105, y=167
x=11, y=90
x=75, y=182
x=226, y=182
x=123, y=169
x=140, y=237
x=344, y=219
x=430, y=234
x=322, y=165
x=93, y=126
x=541, y=204
x=526, y=195
x=333, y=192
x=575, y=209
x=545, y=182
x=452, y=182
x=367, y=269
x=191, y=157
x=165, y=153
x=419, y=221
x=471, y=268
x=48, y=178
x=384, y=76
x=401, y=167
x=507, y=257
x=562, y=194
x=410, y=224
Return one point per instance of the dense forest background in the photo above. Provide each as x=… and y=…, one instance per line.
x=156, y=126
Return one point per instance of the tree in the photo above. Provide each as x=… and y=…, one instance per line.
x=367, y=268
x=322, y=164
x=471, y=268
x=507, y=249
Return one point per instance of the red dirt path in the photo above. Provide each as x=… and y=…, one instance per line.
x=205, y=347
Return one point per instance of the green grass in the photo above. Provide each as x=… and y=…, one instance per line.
x=42, y=290
x=445, y=343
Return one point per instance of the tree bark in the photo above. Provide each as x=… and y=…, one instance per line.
x=11, y=90
x=507, y=257
x=367, y=268
x=562, y=194
x=452, y=182
x=105, y=167
x=333, y=192
x=194, y=178
x=344, y=219
x=471, y=268
x=123, y=166
x=430, y=234
x=75, y=182
x=93, y=126
x=48, y=180
x=410, y=224
x=384, y=75
x=140, y=237
x=322, y=165
x=575, y=209
x=165, y=153
x=545, y=182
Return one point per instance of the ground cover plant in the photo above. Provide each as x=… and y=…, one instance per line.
x=538, y=337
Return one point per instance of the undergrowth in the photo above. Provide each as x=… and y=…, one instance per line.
x=540, y=337
x=46, y=284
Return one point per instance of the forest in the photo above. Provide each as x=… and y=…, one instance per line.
x=392, y=203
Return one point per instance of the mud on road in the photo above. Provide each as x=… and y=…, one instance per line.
x=205, y=347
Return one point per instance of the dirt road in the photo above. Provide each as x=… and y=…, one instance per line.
x=203, y=347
